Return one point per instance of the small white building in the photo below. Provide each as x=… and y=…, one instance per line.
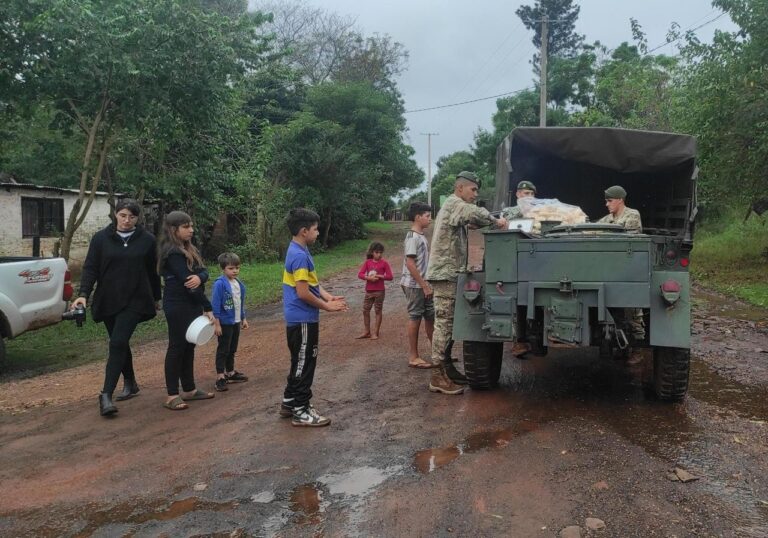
x=31, y=210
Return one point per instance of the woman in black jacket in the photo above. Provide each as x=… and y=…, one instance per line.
x=122, y=264
x=184, y=299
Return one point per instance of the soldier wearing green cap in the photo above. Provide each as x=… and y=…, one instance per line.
x=448, y=255
x=619, y=213
x=525, y=189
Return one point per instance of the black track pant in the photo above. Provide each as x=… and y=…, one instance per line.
x=225, y=352
x=302, y=342
x=180, y=357
x=120, y=328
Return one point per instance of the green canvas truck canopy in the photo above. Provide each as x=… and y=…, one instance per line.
x=577, y=164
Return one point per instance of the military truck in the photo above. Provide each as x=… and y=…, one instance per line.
x=573, y=285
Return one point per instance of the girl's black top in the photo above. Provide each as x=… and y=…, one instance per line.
x=124, y=273
x=175, y=272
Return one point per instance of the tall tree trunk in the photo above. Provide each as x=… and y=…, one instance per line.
x=89, y=178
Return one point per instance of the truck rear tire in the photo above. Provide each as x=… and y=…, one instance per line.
x=482, y=364
x=3, y=359
x=671, y=367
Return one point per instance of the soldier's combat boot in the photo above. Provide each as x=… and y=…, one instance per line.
x=440, y=382
x=450, y=370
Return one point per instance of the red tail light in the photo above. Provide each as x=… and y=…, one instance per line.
x=68, y=291
x=684, y=262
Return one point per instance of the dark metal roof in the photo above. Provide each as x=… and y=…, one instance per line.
x=30, y=186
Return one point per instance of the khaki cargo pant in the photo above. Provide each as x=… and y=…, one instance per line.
x=445, y=302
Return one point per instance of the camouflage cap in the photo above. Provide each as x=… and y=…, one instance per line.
x=615, y=193
x=469, y=176
x=526, y=185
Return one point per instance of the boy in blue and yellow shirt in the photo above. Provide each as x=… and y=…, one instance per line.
x=303, y=298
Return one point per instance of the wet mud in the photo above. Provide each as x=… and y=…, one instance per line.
x=564, y=437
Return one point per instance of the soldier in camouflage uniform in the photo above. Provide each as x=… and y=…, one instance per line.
x=619, y=213
x=448, y=255
x=525, y=189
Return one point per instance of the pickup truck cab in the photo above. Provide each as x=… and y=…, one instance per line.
x=33, y=294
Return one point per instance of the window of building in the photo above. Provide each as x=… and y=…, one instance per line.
x=42, y=216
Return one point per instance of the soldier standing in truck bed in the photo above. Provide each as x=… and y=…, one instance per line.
x=449, y=255
x=619, y=213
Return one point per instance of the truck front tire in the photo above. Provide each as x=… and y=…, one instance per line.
x=671, y=367
x=3, y=359
x=482, y=364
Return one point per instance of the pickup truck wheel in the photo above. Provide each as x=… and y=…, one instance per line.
x=2, y=355
x=482, y=363
x=671, y=367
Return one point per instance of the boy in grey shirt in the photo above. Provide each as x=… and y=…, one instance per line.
x=417, y=290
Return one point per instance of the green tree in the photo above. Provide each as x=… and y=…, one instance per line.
x=724, y=102
x=631, y=90
x=562, y=39
x=343, y=155
x=131, y=74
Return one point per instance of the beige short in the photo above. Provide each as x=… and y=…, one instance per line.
x=418, y=305
x=373, y=299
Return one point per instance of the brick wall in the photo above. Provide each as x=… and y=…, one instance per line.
x=13, y=244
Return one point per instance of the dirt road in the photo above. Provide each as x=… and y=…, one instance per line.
x=566, y=438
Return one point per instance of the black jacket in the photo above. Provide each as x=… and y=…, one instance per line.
x=124, y=273
x=175, y=273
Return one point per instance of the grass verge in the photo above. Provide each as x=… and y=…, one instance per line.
x=64, y=345
x=731, y=256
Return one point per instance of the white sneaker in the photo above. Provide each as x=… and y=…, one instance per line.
x=308, y=416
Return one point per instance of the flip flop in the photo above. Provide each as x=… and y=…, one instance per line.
x=423, y=365
x=199, y=395
x=177, y=404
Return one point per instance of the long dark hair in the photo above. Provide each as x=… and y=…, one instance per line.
x=375, y=246
x=169, y=241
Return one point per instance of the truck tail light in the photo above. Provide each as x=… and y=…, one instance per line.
x=472, y=290
x=670, y=291
x=68, y=291
x=684, y=262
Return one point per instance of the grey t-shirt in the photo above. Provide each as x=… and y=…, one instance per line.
x=415, y=247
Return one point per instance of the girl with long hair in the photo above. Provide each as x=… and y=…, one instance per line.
x=184, y=274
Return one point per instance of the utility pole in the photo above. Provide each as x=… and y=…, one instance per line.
x=429, y=165
x=543, y=73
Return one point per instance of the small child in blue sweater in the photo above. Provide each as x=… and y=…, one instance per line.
x=228, y=304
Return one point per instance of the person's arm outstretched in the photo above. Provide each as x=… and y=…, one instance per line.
x=326, y=301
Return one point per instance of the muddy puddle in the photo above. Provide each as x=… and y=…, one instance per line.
x=431, y=459
x=133, y=513
x=309, y=503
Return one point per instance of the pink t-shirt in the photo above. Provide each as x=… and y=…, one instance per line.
x=381, y=268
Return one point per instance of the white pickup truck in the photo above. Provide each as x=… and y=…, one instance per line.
x=33, y=294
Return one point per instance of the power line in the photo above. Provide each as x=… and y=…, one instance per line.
x=526, y=53
x=467, y=102
x=488, y=60
x=686, y=30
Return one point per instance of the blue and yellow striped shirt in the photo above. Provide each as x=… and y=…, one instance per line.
x=299, y=266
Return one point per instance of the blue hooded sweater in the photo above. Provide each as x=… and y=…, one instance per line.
x=222, y=302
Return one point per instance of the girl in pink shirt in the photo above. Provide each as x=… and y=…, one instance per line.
x=375, y=271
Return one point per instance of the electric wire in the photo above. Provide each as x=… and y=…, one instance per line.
x=686, y=31
x=467, y=102
x=488, y=60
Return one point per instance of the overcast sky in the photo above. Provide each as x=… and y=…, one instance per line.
x=462, y=50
